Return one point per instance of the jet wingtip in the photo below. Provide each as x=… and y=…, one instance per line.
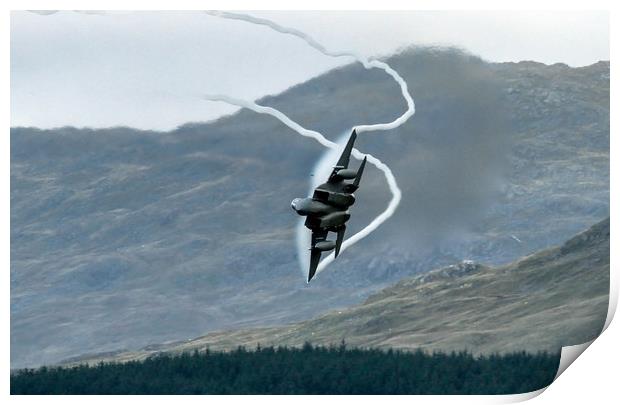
x=315, y=257
x=339, y=240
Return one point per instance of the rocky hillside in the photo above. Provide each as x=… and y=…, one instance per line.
x=557, y=297
x=121, y=238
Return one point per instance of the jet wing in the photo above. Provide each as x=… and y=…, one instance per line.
x=339, y=239
x=315, y=254
x=315, y=258
x=346, y=153
x=343, y=162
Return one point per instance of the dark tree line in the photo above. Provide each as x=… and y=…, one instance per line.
x=306, y=370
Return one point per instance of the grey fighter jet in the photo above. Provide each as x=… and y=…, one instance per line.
x=328, y=208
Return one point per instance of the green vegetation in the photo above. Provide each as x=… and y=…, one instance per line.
x=306, y=370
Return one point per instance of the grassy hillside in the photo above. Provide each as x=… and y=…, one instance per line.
x=554, y=298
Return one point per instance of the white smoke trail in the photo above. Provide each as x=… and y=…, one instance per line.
x=274, y=113
x=368, y=64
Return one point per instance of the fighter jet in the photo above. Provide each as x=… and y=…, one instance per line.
x=328, y=208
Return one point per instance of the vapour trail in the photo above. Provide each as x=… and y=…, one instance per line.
x=368, y=64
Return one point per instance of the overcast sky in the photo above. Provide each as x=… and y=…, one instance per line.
x=148, y=69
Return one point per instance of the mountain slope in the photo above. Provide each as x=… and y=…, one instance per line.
x=121, y=238
x=557, y=297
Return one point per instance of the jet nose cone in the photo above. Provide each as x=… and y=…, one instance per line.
x=294, y=203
